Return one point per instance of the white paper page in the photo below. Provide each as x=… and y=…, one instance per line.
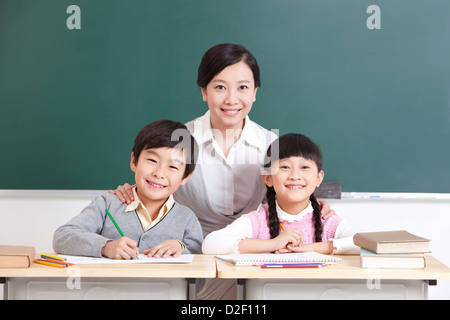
x=142, y=258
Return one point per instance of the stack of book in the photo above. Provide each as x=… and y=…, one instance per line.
x=16, y=256
x=392, y=249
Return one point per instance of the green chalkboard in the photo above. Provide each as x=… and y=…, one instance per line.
x=371, y=86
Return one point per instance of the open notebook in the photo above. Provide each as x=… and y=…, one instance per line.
x=257, y=259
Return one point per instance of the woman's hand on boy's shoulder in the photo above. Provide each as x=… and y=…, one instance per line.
x=124, y=193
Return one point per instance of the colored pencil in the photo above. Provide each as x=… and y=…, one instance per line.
x=51, y=263
x=293, y=265
x=118, y=228
x=115, y=223
x=51, y=256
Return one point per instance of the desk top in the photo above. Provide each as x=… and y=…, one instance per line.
x=348, y=268
x=206, y=266
x=203, y=266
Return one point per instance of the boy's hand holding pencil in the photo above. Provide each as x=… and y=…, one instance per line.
x=123, y=248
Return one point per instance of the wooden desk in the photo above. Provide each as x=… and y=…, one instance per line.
x=343, y=280
x=177, y=281
x=108, y=281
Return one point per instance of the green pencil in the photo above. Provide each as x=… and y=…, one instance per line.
x=118, y=228
x=114, y=221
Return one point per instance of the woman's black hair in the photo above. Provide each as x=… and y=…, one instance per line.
x=221, y=56
x=293, y=145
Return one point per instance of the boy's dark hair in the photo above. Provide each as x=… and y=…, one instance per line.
x=221, y=56
x=167, y=134
x=293, y=145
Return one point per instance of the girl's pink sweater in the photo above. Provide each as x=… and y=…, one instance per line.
x=260, y=225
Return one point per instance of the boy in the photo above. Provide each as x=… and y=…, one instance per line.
x=154, y=223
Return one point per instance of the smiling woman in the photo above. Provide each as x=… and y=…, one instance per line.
x=230, y=96
x=229, y=78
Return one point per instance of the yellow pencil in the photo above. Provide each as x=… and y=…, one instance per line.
x=50, y=256
x=51, y=264
x=282, y=227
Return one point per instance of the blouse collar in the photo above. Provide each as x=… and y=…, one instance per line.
x=250, y=133
x=284, y=216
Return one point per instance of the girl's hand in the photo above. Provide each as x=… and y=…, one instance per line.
x=302, y=248
x=288, y=237
x=321, y=247
x=325, y=209
x=124, y=193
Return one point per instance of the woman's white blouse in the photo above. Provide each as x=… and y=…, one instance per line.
x=223, y=188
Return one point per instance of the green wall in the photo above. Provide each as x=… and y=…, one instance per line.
x=377, y=101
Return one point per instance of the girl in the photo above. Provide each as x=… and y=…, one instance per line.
x=291, y=220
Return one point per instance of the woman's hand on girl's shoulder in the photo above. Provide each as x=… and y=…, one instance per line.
x=326, y=210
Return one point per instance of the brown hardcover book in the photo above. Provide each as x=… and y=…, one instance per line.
x=387, y=242
x=16, y=256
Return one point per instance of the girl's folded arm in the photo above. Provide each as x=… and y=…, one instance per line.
x=226, y=240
